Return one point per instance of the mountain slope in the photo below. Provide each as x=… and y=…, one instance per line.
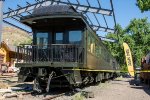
x=14, y=36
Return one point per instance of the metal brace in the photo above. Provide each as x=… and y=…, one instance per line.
x=36, y=86
x=49, y=80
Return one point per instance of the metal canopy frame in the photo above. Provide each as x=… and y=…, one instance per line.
x=86, y=9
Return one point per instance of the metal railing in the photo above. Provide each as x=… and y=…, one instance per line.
x=53, y=53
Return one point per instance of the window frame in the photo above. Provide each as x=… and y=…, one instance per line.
x=35, y=32
x=63, y=36
x=82, y=35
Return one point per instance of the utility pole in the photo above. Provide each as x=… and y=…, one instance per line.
x=1, y=19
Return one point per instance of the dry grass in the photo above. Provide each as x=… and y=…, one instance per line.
x=3, y=85
x=78, y=96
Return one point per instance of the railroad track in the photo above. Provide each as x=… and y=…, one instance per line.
x=45, y=96
x=53, y=97
x=14, y=95
x=23, y=95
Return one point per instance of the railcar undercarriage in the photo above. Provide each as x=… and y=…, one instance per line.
x=46, y=78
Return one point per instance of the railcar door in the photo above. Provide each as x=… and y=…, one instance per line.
x=58, y=45
x=40, y=50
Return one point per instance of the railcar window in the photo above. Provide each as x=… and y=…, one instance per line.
x=59, y=38
x=75, y=37
x=103, y=52
x=93, y=46
x=42, y=40
x=97, y=49
x=89, y=42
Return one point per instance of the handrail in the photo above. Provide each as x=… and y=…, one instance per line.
x=46, y=44
x=52, y=53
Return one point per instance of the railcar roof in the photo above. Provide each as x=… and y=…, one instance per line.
x=55, y=11
x=52, y=10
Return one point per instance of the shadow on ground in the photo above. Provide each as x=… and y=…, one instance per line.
x=142, y=86
x=55, y=92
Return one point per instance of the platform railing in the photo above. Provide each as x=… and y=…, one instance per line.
x=52, y=53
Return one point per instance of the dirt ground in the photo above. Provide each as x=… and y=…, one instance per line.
x=118, y=89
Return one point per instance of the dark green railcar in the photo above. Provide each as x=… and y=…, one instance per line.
x=65, y=50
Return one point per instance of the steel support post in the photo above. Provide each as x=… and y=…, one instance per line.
x=1, y=18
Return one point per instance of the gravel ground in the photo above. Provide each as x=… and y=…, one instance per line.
x=118, y=89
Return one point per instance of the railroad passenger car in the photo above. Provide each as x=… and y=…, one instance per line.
x=65, y=51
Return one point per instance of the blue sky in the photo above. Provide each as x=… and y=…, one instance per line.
x=125, y=10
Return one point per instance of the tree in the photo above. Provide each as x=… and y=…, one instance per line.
x=116, y=49
x=137, y=35
x=139, y=30
x=144, y=5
